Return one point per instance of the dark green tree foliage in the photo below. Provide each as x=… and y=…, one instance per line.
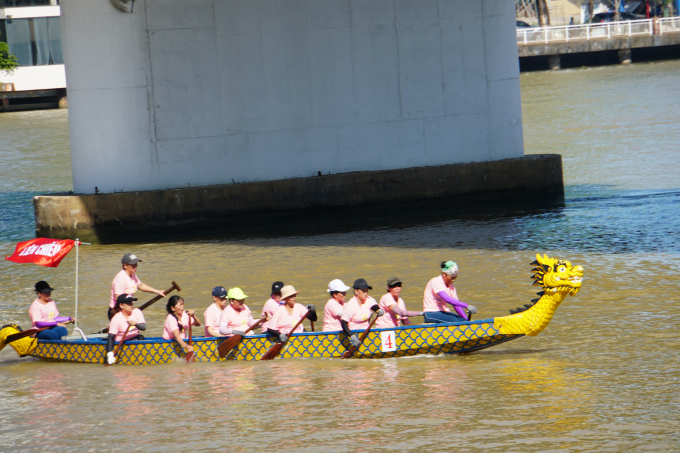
x=7, y=60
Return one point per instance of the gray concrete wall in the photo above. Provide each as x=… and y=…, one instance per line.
x=598, y=45
x=191, y=93
x=335, y=200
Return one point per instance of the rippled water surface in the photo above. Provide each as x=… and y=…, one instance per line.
x=602, y=377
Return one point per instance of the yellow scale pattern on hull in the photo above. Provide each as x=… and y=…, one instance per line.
x=411, y=340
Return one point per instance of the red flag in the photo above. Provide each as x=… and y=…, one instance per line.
x=46, y=252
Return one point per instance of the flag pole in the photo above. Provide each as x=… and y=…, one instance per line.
x=76, y=328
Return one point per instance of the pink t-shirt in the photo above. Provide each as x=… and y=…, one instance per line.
x=284, y=322
x=270, y=307
x=171, y=324
x=236, y=319
x=389, y=319
x=212, y=318
x=331, y=315
x=356, y=314
x=432, y=301
x=43, y=312
x=119, y=324
x=123, y=284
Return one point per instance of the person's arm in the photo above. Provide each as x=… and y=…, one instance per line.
x=196, y=321
x=146, y=288
x=182, y=343
x=394, y=308
x=353, y=338
x=282, y=336
x=109, y=342
x=214, y=332
x=224, y=328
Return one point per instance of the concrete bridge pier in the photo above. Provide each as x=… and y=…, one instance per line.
x=214, y=109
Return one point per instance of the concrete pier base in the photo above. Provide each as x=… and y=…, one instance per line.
x=337, y=200
x=554, y=62
x=624, y=56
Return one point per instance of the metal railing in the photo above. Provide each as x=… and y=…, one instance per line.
x=669, y=25
x=566, y=33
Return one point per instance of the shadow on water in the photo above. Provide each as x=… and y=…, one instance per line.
x=603, y=221
x=596, y=219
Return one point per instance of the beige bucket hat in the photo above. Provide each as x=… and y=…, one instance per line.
x=288, y=291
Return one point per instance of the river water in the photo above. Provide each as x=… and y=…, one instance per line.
x=602, y=377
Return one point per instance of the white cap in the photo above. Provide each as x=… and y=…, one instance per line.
x=337, y=285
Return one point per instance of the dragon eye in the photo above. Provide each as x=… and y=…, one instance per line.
x=562, y=269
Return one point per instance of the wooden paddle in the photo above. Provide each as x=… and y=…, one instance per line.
x=190, y=355
x=312, y=323
x=230, y=343
x=348, y=353
x=152, y=301
x=23, y=334
x=275, y=350
x=159, y=297
x=120, y=345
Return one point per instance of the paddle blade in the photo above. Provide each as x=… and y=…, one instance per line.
x=190, y=357
x=227, y=345
x=273, y=352
x=347, y=354
x=24, y=334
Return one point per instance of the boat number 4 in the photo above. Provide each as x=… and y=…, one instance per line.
x=388, y=341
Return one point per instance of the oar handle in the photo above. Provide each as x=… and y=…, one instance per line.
x=363, y=336
x=190, y=355
x=174, y=286
x=299, y=322
x=254, y=326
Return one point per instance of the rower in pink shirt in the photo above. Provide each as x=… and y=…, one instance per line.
x=213, y=313
x=272, y=305
x=126, y=316
x=176, y=324
x=286, y=317
x=127, y=282
x=236, y=317
x=394, y=307
x=335, y=306
x=358, y=310
x=440, y=293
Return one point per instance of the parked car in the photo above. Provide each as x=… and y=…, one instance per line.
x=522, y=24
x=609, y=17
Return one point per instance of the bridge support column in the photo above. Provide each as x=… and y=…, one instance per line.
x=554, y=62
x=624, y=56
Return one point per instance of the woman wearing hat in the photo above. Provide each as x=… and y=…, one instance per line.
x=290, y=313
x=44, y=313
x=127, y=282
x=177, y=322
x=237, y=317
x=440, y=293
x=358, y=310
x=334, y=308
x=272, y=305
x=213, y=313
x=126, y=315
x=394, y=307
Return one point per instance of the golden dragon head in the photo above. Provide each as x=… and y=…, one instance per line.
x=557, y=275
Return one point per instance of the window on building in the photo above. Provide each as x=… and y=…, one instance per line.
x=22, y=3
x=35, y=42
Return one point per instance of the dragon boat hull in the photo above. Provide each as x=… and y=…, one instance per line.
x=558, y=279
x=380, y=343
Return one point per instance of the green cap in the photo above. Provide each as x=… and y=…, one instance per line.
x=449, y=267
x=236, y=293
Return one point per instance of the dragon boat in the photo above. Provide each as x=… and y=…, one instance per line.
x=558, y=279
